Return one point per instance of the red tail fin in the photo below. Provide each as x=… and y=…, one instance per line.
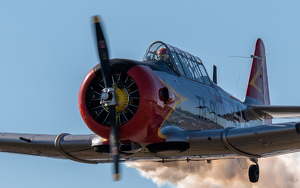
x=258, y=88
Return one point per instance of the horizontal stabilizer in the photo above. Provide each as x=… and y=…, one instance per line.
x=276, y=112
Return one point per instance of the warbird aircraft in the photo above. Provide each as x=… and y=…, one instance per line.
x=166, y=108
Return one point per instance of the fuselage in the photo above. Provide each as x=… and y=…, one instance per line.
x=198, y=106
x=158, y=96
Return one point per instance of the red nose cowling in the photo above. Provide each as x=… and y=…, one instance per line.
x=150, y=114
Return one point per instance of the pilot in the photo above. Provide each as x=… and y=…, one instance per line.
x=161, y=54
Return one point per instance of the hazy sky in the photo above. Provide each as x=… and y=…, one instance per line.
x=47, y=48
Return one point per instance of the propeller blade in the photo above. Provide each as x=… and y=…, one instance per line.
x=106, y=72
x=114, y=142
x=103, y=53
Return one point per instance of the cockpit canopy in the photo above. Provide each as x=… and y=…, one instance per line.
x=180, y=61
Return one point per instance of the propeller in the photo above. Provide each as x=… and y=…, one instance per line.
x=108, y=96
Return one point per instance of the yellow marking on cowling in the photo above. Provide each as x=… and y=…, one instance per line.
x=160, y=134
x=180, y=100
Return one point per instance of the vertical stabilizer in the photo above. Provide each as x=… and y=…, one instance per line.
x=258, y=88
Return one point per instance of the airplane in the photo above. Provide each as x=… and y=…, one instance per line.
x=165, y=108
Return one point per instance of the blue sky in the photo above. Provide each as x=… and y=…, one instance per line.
x=47, y=48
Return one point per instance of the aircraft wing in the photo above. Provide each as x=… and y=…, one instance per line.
x=231, y=142
x=275, y=112
x=75, y=147
x=80, y=148
x=253, y=142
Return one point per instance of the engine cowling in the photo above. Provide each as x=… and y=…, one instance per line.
x=140, y=111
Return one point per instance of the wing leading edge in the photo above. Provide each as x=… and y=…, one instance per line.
x=64, y=146
x=275, y=112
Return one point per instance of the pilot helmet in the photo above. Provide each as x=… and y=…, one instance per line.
x=161, y=53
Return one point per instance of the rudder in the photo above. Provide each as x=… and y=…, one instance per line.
x=257, y=92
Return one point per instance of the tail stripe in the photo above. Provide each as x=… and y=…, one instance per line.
x=255, y=78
